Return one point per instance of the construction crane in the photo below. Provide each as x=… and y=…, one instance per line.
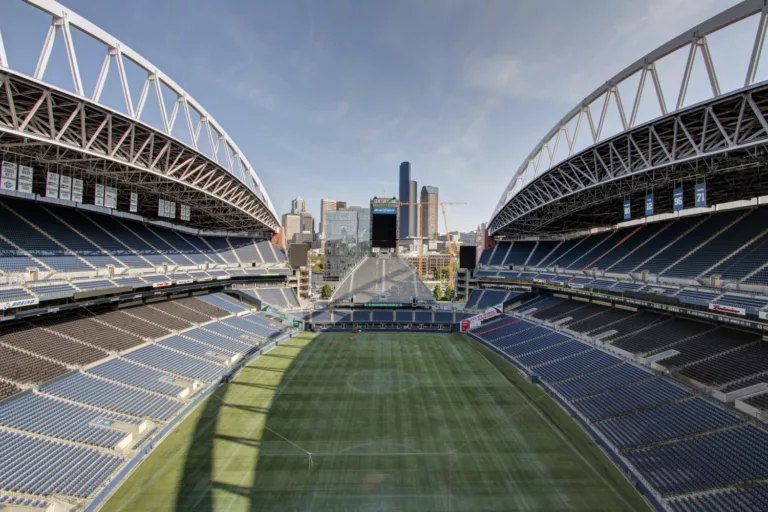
x=421, y=228
x=452, y=246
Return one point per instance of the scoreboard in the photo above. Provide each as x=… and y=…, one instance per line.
x=384, y=217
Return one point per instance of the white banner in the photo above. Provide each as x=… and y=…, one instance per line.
x=77, y=190
x=8, y=181
x=161, y=208
x=98, y=195
x=161, y=284
x=65, y=187
x=763, y=315
x=110, y=197
x=18, y=303
x=173, y=210
x=25, y=179
x=184, y=281
x=474, y=321
x=167, y=209
x=52, y=185
x=576, y=285
x=720, y=308
x=134, y=202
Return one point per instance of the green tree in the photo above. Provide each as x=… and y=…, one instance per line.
x=326, y=291
x=450, y=293
x=437, y=292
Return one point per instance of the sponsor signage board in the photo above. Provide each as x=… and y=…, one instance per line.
x=474, y=321
x=161, y=284
x=627, y=209
x=387, y=210
x=185, y=281
x=19, y=303
x=722, y=308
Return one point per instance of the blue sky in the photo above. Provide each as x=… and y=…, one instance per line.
x=326, y=98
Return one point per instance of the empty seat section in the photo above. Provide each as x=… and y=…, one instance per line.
x=52, y=467
x=176, y=309
x=499, y=254
x=666, y=235
x=156, y=317
x=736, y=365
x=722, y=245
x=443, y=317
x=601, y=321
x=708, y=344
x=273, y=296
x=242, y=346
x=174, y=362
x=8, y=389
x=518, y=253
x=640, y=395
x=749, y=499
x=688, y=242
x=553, y=353
x=491, y=298
x=27, y=369
x=93, y=285
x=127, y=372
x=290, y=295
x=42, y=247
x=474, y=297
x=44, y=343
x=88, y=331
x=541, y=251
x=220, y=245
x=213, y=354
x=41, y=414
x=115, y=397
x=623, y=248
x=720, y=459
x=565, y=248
x=589, y=360
x=246, y=250
x=51, y=291
x=485, y=256
x=632, y=324
x=13, y=259
x=127, y=236
x=592, y=248
x=269, y=252
x=601, y=380
x=178, y=246
x=203, y=248
x=658, y=337
x=203, y=307
x=361, y=316
x=666, y=422
x=125, y=321
x=89, y=227
x=222, y=301
x=168, y=250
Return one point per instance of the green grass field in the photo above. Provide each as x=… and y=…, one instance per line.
x=394, y=422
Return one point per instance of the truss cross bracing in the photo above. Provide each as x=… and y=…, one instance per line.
x=725, y=134
x=70, y=129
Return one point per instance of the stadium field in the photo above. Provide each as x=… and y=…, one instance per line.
x=393, y=422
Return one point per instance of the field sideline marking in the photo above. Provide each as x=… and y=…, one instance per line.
x=560, y=435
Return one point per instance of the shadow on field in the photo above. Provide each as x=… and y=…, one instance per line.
x=220, y=463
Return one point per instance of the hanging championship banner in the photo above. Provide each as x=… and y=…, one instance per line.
x=134, y=202
x=161, y=208
x=701, y=195
x=649, y=205
x=77, y=190
x=25, y=179
x=65, y=187
x=52, y=185
x=677, y=199
x=110, y=197
x=627, y=210
x=98, y=195
x=173, y=210
x=8, y=181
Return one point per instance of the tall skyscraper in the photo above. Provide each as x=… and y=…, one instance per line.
x=348, y=240
x=413, y=214
x=429, y=209
x=298, y=205
x=307, y=223
x=405, y=197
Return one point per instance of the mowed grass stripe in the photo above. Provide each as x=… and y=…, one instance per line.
x=394, y=421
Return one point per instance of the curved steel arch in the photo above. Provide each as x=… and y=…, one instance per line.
x=518, y=194
x=232, y=181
